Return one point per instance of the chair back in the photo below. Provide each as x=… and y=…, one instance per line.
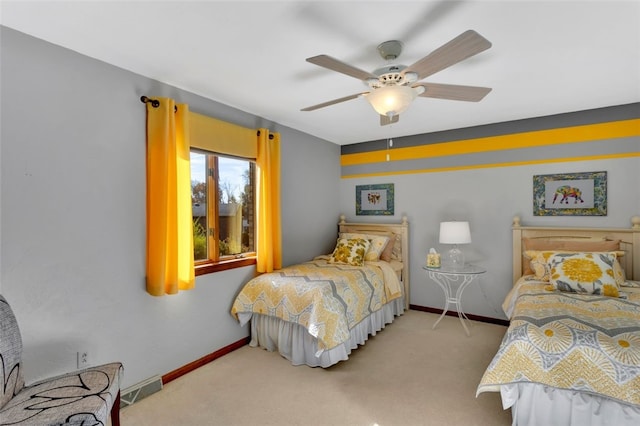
x=11, y=378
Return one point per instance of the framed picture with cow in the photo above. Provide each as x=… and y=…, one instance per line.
x=570, y=194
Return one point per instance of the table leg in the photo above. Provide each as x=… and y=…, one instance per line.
x=467, y=280
x=445, y=281
x=447, y=296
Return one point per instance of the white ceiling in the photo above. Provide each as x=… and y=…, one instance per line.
x=548, y=57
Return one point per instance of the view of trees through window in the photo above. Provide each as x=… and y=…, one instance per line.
x=224, y=228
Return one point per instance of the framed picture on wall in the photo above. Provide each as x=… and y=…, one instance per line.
x=570, y=194
x=374, y=199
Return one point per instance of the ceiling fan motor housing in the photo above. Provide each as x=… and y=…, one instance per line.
x=391, y=75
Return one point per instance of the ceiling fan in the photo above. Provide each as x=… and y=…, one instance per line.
x=394, y=87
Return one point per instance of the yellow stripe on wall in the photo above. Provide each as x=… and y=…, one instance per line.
x=586, y=133
x=487, y=166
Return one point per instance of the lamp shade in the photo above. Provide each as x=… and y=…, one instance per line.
x=392, y=100
x=455, y=233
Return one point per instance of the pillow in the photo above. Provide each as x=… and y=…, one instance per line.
x=618, y=274
x=393, y=250
x=387, y=253
x=573, y=245
x=586, y=273
x=539, y=261
x=377, y=244
x=350, y=251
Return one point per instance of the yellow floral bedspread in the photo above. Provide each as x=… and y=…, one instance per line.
x=327, y=299
x=569, y=341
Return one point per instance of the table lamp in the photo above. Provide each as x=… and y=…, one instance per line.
x=455, y=233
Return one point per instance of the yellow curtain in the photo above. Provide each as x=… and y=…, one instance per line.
x=169, y=218
x=269, y=241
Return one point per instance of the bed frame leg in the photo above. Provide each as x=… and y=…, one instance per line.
x=115, y=411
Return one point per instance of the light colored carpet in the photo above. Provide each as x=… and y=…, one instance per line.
x=408, y=374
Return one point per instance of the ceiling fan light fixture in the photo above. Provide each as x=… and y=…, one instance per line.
x=393, y=100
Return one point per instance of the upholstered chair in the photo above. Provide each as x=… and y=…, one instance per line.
x=83, y=397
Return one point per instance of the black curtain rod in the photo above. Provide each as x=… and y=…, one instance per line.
x=270, y=135
x=154, y=102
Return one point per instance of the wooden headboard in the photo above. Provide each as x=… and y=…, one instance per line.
x=401, y=230
x=629, y=242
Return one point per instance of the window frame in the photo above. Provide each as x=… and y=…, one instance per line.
x=207, y=266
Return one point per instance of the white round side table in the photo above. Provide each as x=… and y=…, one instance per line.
x=447, y=278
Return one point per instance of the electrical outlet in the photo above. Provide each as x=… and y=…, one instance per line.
x=83, y=359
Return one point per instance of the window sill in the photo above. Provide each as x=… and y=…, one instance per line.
x=208, y=268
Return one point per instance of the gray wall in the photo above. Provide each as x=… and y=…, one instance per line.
x=72, y=228
x=489, y=197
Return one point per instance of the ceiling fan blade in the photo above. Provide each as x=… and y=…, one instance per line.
x=339, y=66
x=333, y=102
x=434, y=13
x=453, y=92
x=460, y=48
x=384, y=120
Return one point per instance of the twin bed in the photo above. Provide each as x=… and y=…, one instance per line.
x=316, y=312
x=571, y=355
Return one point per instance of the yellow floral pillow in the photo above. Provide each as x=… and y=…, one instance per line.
x=377, y=244
x=539, y=263
x=587, y=273
x=350, y=251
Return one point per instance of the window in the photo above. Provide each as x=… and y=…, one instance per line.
x=223, y=207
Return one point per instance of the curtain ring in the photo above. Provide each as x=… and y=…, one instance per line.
x=154, y=102
x=270, y=135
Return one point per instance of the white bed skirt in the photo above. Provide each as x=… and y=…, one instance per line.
x=536, y=404
x=294, y=343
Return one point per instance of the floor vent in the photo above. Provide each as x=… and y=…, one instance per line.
x=139, y=391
